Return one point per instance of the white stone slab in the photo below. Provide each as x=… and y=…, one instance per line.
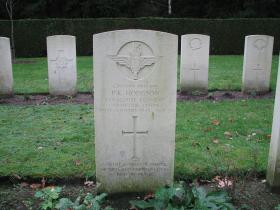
x=194, y=62
x=6, y=71
x=257, y=63
x=62, y=67
x=273, y=170
x=135, y=109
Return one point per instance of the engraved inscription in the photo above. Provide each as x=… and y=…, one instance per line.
x=135, y=169
x=134, y=133
x=260, y=45
x=133, y=98
x=135, y=59
x=195, y=44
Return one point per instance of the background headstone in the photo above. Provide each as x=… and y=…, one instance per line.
x=6, y=71
x=257, y=63
x=62, y=67
x=134, y=109
x=194, y=63
x=273, y=170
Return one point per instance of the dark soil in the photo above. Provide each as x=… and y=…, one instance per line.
x=251, y=194
x=87, y=98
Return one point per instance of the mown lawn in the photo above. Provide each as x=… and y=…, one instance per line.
x=225, y=73
x=57, y=140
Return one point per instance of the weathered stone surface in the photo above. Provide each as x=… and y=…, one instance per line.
x=62, y=67
x=273, y=170
x=194, y=62
x=135, y=109
x=6, y=71
x=257, y=63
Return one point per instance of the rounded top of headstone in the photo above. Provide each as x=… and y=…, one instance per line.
x=196, y=35
x=4, y=38
x=61, y=37
x=128, y=31
x=259, y=36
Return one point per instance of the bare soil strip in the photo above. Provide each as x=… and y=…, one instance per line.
x=87, y=98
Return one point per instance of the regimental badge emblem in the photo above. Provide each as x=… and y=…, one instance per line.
x=195, y=44
x=260, y=44
x=135, y=60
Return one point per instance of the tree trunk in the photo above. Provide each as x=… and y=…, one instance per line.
x=13, y=40
x=169, y=7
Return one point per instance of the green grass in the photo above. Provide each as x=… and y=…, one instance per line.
x=225, y=73
x=57, y=141
x=31, y=75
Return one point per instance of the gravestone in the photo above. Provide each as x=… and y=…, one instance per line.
x=134, y=109
x=194, y=63
x=257, y=63
x=62, y=67
x=6, y=71
x=273, y=170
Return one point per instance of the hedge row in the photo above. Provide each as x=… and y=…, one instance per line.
x=227, y=35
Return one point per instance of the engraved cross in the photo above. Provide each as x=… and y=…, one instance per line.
x=259, y=71
x=61, y=63
x=134, y=133
x=195, y=70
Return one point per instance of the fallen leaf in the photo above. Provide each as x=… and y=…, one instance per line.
x=35, y=186
x=16, y=176
x=149, y=196
x=77, y=162
x=216, y=122
x=223, y=182
x=89, y=183
x=24, y=184
x=215, y=141
x=268, y=136
x=194, y=144
x=208, y=129
x=228, y=134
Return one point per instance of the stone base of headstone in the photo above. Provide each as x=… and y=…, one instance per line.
x=6, y=95
x=255, y=91
x=61, y=93
x=195, y=92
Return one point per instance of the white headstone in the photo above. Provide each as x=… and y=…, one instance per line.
x=257, y=63
x=135, y=109
x=273, y=170
x=62, y=67
x=194, y=62
x=6, y=74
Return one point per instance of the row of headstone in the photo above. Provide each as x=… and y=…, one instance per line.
x=195, y=63
x=135, y=104
x=62, y=67
x=135, y=100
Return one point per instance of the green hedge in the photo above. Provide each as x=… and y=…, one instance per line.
x=227, y=35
